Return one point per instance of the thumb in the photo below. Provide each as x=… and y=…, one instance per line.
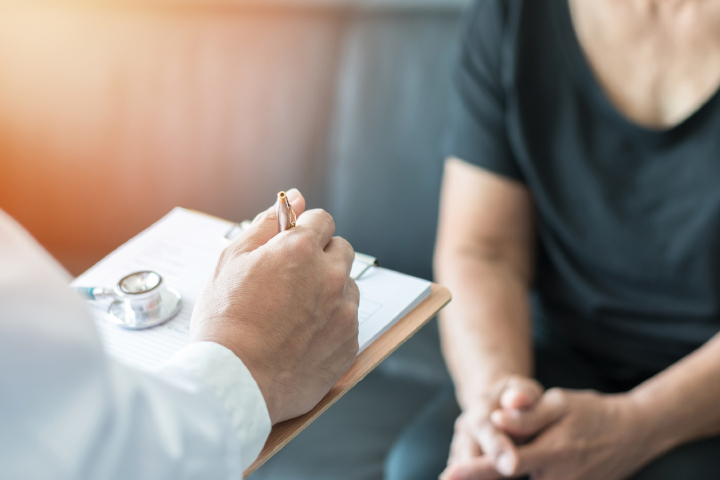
x=520, y=393
x=264, y=225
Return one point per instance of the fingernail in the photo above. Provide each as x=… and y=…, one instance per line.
x=506, y=463
x=496, y=417
x=292, y=194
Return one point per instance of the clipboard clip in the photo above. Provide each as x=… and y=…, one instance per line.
x=363, y=262
x=366, y=262
x=236, y=230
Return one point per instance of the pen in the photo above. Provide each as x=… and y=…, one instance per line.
x=285, y=215
x=286, y=219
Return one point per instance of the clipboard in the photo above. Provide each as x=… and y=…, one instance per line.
x=176, y=233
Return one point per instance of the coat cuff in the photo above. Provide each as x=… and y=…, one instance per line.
x=229, y=379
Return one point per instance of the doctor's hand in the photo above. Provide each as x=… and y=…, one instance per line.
x=286, y=306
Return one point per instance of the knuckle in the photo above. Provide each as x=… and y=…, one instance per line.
x=225, y=255
x=229, y=254
x=556, y=395
x=345, y=245
x=263, y=216
x=319, y=214
x=523, y=383
x=326, y=217
x=350, y=314
x=529, y=382
x=303, y=244
x=323, y=214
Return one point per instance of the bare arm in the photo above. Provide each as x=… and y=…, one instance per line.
x=484, y=254
x=681, y=403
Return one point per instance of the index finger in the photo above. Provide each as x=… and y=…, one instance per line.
x=496, y=446
x=319, y=224
x=342, y=252
x=531, y=458
x=463, y=445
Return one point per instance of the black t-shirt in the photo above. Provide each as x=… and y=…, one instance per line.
x=628, y=218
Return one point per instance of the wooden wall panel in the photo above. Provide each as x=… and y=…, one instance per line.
x=109, y=117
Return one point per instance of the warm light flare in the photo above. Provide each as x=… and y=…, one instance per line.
x=111, y=116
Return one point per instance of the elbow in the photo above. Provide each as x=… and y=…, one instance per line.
x=450, y=262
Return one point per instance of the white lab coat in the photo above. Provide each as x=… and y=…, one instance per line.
x=67, y=411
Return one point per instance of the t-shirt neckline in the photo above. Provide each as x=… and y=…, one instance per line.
x=579, y=65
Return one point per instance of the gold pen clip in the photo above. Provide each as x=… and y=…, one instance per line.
x=285, y=215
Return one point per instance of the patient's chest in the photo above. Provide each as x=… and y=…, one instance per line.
x=656, y=67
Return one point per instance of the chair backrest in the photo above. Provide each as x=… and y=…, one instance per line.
x=385, y=159
x=385, y=156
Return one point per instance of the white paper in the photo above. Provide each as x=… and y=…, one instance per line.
x=184, y=247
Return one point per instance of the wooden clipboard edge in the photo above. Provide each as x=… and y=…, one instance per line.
x=370, y=358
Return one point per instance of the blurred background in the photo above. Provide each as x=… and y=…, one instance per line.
x=114, y=112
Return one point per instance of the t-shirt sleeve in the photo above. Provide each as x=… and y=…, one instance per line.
x=476, y=127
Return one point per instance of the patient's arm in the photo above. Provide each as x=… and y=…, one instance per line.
x=484, y=254
x=681, y=403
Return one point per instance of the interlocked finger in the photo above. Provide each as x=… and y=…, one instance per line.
x=531, y=421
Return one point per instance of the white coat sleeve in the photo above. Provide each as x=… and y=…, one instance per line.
x=69, y=412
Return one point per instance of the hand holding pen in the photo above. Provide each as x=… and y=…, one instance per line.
x=293, y=317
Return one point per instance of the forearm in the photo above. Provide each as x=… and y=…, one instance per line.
x=484, y=254
x=486, y=330
x=680, y=404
